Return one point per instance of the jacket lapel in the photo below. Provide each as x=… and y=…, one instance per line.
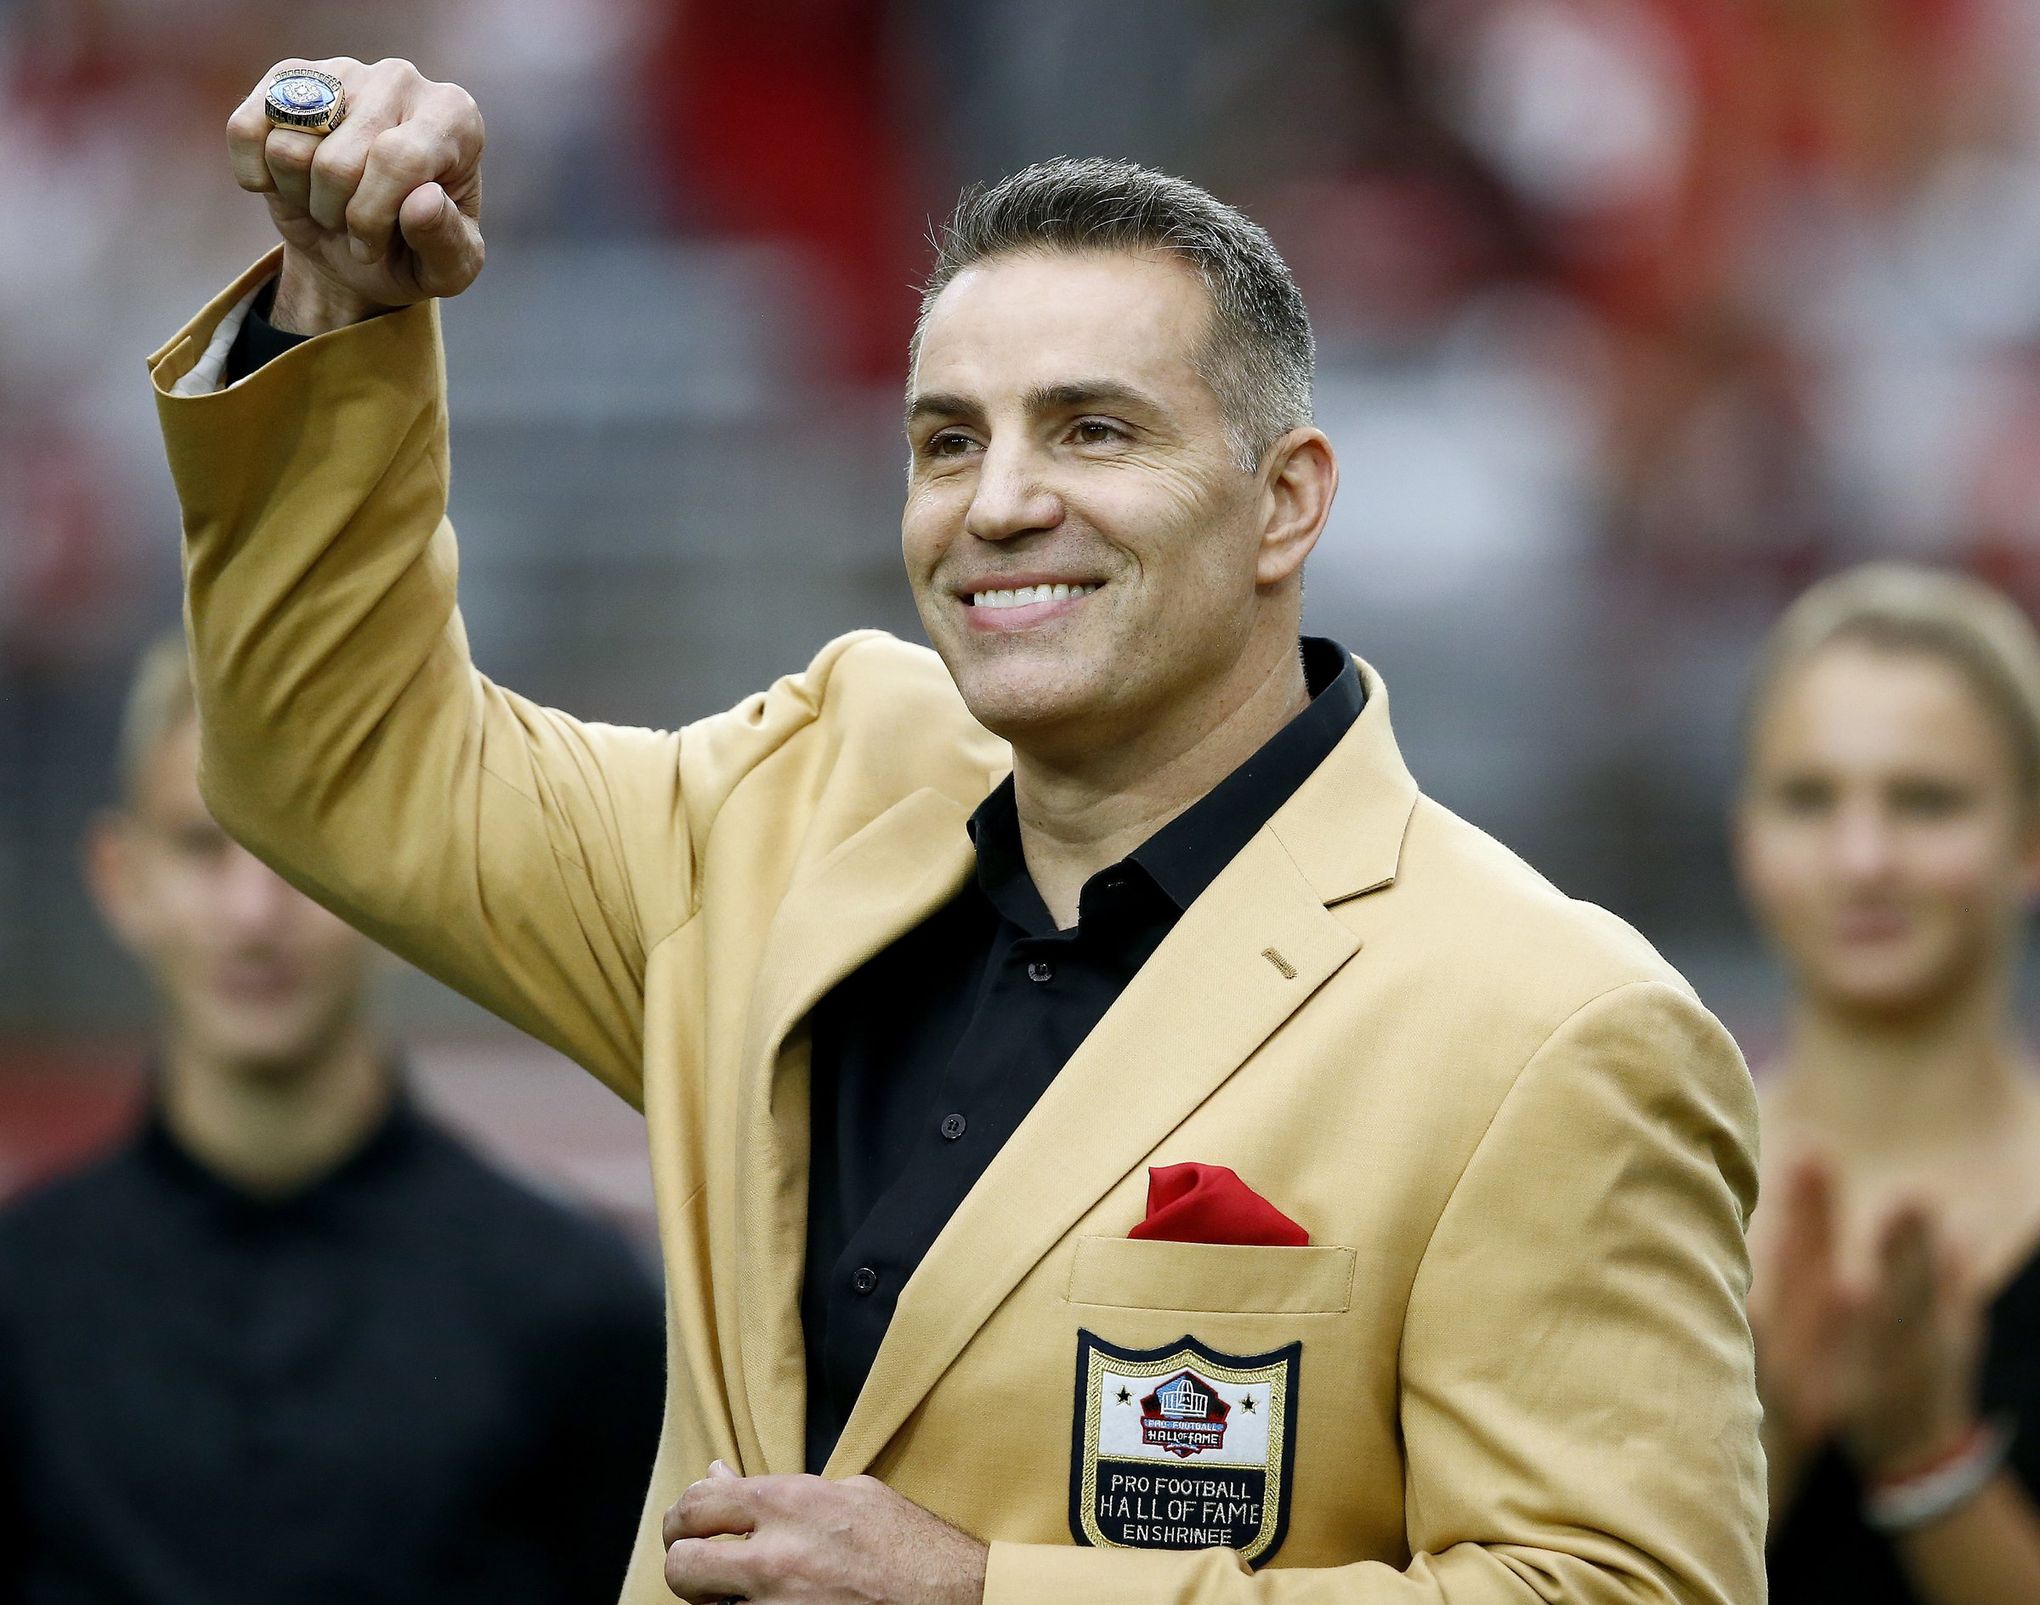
x=1210, y=995
x=874, y=888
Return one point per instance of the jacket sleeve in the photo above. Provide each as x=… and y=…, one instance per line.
x=1578, y=1400
x=527, y=859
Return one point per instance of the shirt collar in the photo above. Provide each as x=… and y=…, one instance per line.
x=1186, y=855
x=393, y=1137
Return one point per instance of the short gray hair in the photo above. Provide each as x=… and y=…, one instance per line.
x=1258, y=355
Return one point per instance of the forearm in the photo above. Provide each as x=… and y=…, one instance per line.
x=1987, y=1552
x=346, y=736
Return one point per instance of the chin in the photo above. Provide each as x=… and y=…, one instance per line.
x=267, y=1044
x=1897, y=989
x=1010, y=699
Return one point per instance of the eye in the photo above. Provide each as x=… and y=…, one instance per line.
x=198, y=843
x=1928, y=799
x=1095, y=432
x=949, y=443
x=1803, y=795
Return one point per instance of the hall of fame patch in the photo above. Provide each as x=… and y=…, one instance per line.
x=1182, y=1447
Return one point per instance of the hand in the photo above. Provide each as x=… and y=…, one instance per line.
x=383, y=211
x=804, y=1541
x=1803, y=1317
x=1920, y=1345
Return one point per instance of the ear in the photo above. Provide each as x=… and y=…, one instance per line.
x=1299, y=479
x=107, y=857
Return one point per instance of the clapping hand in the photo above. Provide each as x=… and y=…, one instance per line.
x=1884, y=1362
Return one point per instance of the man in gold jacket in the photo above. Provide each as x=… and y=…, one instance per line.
x=1372, y=1233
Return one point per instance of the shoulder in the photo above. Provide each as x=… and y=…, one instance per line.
x=1500, y=924
x=73, y=1228
x=869, y=714
x=873, y=680
x=62, y=1208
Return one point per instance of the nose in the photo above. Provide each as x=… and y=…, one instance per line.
x=253, y=899
x=1863, y=845
x=1012, y=495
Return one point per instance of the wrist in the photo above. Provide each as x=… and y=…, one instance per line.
x=1883, y=1458
x=308, y=303
x=1930, y=1489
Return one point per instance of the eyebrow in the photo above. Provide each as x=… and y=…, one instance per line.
x=1061, y=397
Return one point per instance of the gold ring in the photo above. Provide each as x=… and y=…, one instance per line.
x=301, y=97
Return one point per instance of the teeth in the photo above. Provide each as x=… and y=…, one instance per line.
x=1027, y=595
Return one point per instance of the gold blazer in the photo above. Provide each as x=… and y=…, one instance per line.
x=1511, y=1366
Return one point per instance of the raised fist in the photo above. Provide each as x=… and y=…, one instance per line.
x=383, y=211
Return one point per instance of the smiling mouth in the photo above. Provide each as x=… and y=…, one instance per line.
x=1028, y=595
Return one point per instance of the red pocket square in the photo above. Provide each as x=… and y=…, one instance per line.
x=1195, y=1203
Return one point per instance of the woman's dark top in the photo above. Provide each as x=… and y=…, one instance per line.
x=1823, y=1551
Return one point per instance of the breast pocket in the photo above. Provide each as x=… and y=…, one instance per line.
x=1132, y=1273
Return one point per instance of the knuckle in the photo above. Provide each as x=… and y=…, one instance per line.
x=459, y=104
x=290, y=150
x=404, y=150
x=338, y=164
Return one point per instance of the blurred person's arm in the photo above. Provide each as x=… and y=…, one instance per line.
x=1986, y=1552
x=1922, y=1329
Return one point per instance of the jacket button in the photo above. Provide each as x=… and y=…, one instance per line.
x=864, y=1279
x=954, y=1126
x=1040, y=970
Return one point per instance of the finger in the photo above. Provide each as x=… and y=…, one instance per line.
x=444, y=241
x=248, y=132
x=712, y=1508
x=707, y=1571
x=1905, y=1253
x=717, y=1469
x=249, y=127
x=288, y=154
x=1807, y=1235
x=342, y=156
x=438, y=137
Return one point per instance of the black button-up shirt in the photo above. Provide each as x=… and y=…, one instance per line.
x=928, y=1057
x=414, y=1382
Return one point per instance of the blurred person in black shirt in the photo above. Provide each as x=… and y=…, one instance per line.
x=293, y=1342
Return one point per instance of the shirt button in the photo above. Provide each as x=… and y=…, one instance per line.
x=864, y=1279
x=954, y=1126
x=1041, y=970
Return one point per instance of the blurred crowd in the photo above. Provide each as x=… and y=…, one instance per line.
x=1634, y=315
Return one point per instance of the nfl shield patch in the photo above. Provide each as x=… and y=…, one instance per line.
x=1182, y=1447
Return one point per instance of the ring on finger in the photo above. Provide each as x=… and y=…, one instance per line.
x=304, y=97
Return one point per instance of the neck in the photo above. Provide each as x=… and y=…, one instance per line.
x=1883, y=1088
x=270, y=1132
x=1080, y=812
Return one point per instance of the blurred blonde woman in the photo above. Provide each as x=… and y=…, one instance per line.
x=1888, y=840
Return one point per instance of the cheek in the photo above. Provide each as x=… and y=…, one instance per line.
x=1782, y=871
x=1969, y=871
